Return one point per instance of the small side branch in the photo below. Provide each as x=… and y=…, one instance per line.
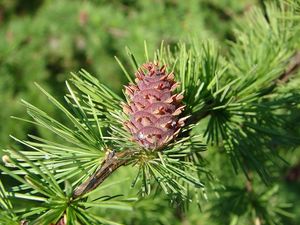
x=109, y=165
x=293, y=67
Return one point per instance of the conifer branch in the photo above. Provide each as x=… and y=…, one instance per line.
x=198, y=116
x=247, y=109
x=292, y=67
x=115, y=160
x=112, y=162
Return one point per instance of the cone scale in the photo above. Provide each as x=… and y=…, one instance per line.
x=153, y=107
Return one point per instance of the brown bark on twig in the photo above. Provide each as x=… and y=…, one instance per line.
x=109, y=165
x=293, y=67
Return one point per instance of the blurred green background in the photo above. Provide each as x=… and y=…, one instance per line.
x=43, y=41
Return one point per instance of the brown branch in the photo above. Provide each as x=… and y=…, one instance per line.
x=196, y=118
x=292, y=68
x=112, y=162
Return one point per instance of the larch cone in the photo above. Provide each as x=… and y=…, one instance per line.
x=153, y=107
